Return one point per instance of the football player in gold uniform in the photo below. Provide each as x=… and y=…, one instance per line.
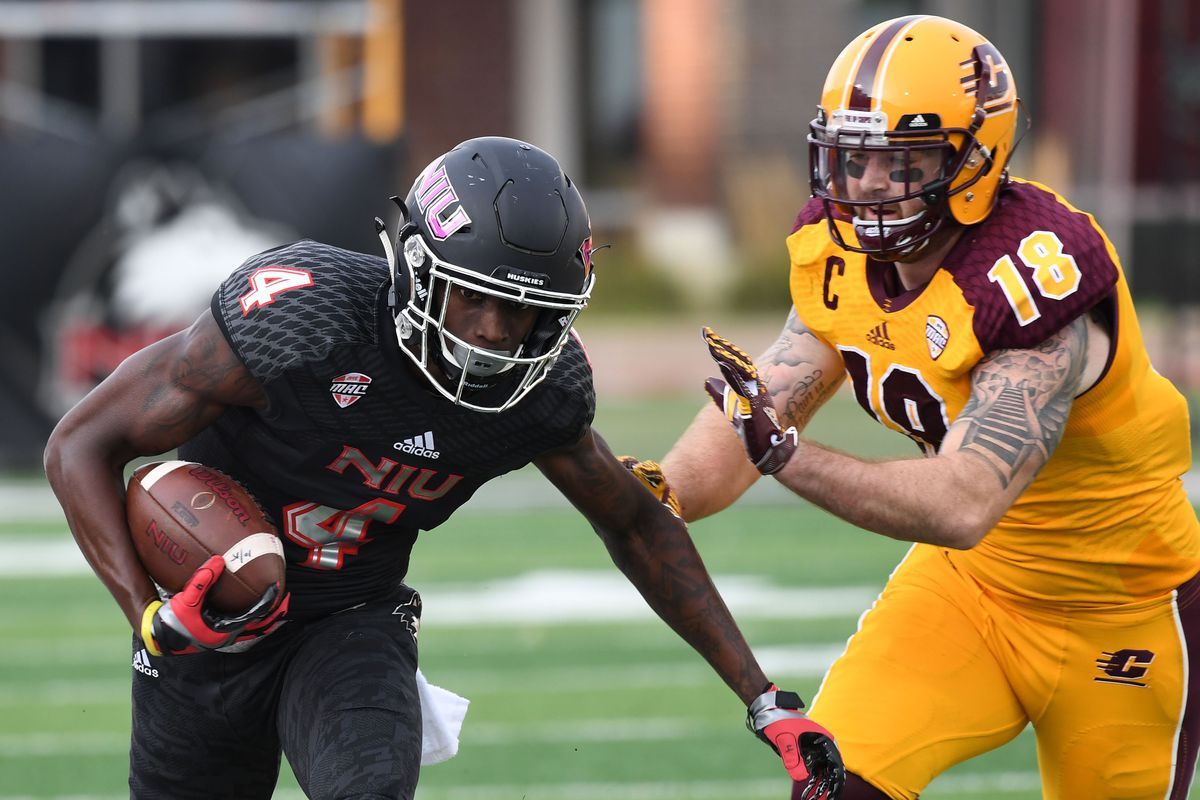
x=1052, y=579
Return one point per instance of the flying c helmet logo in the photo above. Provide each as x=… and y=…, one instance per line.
x=435, y=199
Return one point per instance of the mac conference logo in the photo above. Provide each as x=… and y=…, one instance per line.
x=348, y=389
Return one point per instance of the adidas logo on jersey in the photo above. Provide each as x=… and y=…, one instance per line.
x=141, y=662
x=879, y=336
x=422, y=446
x=347, y=389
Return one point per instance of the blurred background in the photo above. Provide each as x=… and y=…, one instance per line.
x=147, y=148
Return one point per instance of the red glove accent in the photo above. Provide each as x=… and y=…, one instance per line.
x=183, y=625
x=745, y=403
x=188, y=603
x=809, y=753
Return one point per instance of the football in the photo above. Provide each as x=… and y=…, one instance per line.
x=181, y=513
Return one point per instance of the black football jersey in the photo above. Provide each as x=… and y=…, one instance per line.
x=355, y=453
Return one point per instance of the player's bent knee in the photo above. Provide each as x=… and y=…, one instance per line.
x=372, y=754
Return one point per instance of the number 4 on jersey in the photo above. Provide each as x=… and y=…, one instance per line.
x=267, y=282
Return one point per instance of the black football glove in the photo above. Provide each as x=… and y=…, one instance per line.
x=745, y=403
x=808, y=751
x=183, y=625
x=651, y=476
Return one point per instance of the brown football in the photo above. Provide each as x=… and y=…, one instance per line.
x=180, y=513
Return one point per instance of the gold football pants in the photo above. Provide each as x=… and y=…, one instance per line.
x=941, y=670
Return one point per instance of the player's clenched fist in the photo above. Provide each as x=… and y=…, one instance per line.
x=808, y=751
x=184, y=625
x=743, y=399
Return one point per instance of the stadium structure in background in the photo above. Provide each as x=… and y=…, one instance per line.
x=132, y=132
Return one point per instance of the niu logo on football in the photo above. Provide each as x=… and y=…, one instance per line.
x=173, y=549
x=1127, y=667
x=347, y=389
x=879, y=336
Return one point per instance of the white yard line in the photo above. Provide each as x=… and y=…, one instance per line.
x=526, y=489
x=792, y=662
x=32, y=501
x=545, y=597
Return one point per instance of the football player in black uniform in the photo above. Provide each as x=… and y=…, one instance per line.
x=362, y=401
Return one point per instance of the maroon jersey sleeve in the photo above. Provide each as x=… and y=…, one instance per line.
x=1058, y=267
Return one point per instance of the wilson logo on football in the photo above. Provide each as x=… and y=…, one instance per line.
x=347, y=389
x=937, y=335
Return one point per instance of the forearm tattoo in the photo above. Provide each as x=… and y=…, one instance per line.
x=1020, y=401
x=806, y=386
x=654, y=550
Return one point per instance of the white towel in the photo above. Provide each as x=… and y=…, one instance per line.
x=442, y=714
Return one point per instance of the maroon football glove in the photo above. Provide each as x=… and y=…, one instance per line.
x=745, y=403
x=183, y=625
x=808, y=751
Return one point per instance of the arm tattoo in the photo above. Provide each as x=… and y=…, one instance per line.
x=1020, y=401
x=655, y=552
x=808, y=387
x=186, y=383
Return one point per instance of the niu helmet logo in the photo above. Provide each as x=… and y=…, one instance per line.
x=435, y=194
x=1128, y=667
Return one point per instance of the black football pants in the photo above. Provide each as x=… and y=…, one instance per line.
x=337, y=696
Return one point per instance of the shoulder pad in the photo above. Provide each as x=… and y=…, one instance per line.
x=295, y=302
x=812, y=213
x=810, y=242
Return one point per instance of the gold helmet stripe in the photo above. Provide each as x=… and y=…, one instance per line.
x=860, y=90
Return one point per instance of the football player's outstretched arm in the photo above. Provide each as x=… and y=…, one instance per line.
x=654, y=550
x=1010, y=426
x=707, y=468
x=157, y=399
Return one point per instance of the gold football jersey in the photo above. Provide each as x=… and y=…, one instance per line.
x=1107, y=519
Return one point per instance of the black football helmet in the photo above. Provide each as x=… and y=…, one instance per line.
x=497, y=216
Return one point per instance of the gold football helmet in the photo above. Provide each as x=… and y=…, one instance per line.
x=936, y=104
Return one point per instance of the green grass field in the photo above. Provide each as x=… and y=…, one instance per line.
x=560, y=709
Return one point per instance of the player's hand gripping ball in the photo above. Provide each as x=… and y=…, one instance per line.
x=203, y=539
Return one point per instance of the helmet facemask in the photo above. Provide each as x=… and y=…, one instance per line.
x=913, y=88
x=466, y=374
x=923, y=163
